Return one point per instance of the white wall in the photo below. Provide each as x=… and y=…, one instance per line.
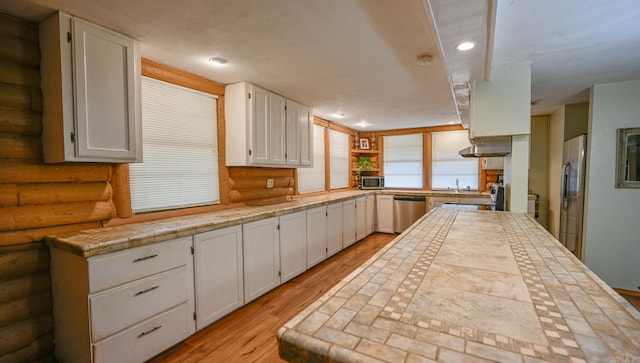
x=556, y=142
x=612, y=228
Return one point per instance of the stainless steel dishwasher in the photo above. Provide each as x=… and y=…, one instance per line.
x=406, y=210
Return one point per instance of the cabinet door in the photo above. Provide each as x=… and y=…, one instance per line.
x=334, y=229
x=306, y=136
x=316, y=236
x=259, y=103
x=293, y=245
x=107, y=93
x=293, y=133
x=384, y=206
x=371, y=218
x=361, y=218
x=218, y=273
x=277, y=130
x=348, y=223
x=261, y=261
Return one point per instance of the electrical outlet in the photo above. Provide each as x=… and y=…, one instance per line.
x=269, y=183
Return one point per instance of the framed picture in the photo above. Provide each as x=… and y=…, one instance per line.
x=364, y=144
x=628, y=158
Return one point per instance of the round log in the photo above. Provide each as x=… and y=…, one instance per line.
x=11, y=238
x=22, y=334
x=51, y=193
x=37, y=216
x=239, y=196
x=21, y=287
x=40, y=350
x=17, y=50
x=20, y=121
x=22, y=309
x=19, y=264
x=260, y=182
x=25, y=171
x=20, y=147
x=243, y=172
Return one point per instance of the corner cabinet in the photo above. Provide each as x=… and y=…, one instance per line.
x=91, y=93
x=266, y=129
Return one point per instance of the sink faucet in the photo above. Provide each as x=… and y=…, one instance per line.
x=457, y=186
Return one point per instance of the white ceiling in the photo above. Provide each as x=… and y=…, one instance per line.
x=359, y=57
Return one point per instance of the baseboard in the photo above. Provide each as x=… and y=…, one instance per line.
x=627, y=292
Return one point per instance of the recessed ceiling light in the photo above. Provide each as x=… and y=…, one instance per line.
x=218, y=62
x=362, y=123
x=465, y=46
x=451, y=122
x=338, y=115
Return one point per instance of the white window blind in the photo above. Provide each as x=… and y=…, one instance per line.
x=403, y=164
x=312, y=179
x=180, y=149
x=447, y=165
x=339, y=154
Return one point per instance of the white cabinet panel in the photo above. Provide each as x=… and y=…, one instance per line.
x=384, y=209
x=293, y=245
x=91, y=93
x=258, y=124
x=261, y=248
x=316, y=236
x=334, y=229
x=361, y=218
x=218, y=273
x=277, y=127
x=371, y=215
x=348, y=223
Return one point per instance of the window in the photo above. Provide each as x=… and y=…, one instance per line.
x=180, y=149
x=339, y=154
x=403, y=166
x=448, y=165
x=312, y=179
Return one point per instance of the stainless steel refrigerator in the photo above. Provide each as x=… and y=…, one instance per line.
x=572, y=194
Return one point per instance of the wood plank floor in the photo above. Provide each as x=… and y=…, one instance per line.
x=249, y=333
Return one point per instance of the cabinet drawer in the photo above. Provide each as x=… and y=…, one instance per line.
x=144, y=340
x=126, y=305
x=117, y=268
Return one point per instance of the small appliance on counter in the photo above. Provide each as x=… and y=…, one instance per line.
x=372, y=182
x=497, y=197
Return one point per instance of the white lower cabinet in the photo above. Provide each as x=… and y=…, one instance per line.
x=261, y=248
x=122, y=306
x=384, y=209
x=218, y=274
x=371, y=214
x=293, y=245
x=334, y=229
x=348, y=223
x=361, y=218
x=316, y=236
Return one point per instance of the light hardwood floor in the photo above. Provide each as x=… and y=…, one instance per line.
x=249, y=333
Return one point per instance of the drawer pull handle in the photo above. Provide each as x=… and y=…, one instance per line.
x=145, y=258
x=149, y=331
x=145, y=291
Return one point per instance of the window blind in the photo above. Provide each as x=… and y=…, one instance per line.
x=339, y=158
x=312, y=179
x=180, y=149
x=447, y=165
x=403, y=164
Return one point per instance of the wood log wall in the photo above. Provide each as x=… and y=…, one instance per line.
x=38, y=199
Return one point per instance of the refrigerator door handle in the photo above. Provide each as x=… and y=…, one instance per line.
x=563, y=186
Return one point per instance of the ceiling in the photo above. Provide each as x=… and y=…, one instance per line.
x=358, y=57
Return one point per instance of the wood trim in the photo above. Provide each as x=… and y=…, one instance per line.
x=416, y=130
x=625, y=292
x=426, y=160
x=121, y=185
x=181, y=78
x=223, y=170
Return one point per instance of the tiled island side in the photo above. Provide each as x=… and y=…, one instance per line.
x=467, y=286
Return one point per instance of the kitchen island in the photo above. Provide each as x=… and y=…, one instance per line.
x=467, y=286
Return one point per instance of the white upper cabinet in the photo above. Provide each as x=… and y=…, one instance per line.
x=266, y=129
x=91, y=91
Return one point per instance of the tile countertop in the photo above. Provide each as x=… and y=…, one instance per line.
x=467, y=286
x=97, y=241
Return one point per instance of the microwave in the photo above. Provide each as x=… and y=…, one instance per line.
x=372, y=182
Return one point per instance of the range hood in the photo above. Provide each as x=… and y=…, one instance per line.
x=487, y=147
